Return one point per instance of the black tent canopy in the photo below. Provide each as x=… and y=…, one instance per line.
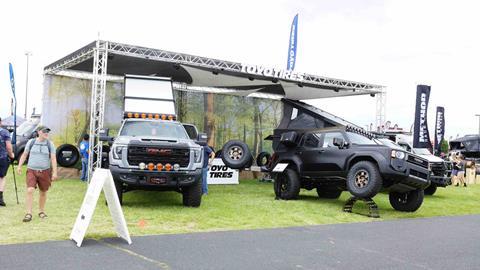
x=207, y=74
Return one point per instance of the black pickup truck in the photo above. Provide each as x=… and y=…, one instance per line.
x=339, y=159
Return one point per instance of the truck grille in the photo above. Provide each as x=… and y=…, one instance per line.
x=147, y=154
x=418, y=161
x=438, y=168
x=419, y=174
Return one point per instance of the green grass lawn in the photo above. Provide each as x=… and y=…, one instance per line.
x=250, y=205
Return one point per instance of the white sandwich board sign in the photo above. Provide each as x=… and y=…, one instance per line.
x=101, y=179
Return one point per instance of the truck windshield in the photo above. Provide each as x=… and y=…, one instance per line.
x=153, y=129
x=359, y=139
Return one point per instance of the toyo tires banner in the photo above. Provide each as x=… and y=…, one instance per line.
x=439, y=129
x=421, y=137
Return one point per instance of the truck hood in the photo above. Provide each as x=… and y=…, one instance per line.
x=156, y=141
x=431, y=158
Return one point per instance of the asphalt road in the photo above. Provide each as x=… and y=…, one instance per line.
x=430, y=243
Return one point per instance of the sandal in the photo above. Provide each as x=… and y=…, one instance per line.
x=42, y=215
x=27, y=218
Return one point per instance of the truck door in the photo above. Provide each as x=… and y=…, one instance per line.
x=332, y=159
x=309, y=154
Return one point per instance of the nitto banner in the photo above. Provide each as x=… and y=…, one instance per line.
x=439, y=128
x=292, y=46
x=421, y=137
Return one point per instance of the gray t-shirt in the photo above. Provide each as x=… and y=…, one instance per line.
x=39, y=154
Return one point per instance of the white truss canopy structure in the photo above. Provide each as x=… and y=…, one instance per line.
x=103, y=61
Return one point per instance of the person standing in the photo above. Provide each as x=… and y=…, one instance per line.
x=84, y=148
x=6, y=151
x=207, y=154
x=41, y=170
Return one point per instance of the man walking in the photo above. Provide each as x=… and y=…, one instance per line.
x=6, y=151
x=84, y=146
x=41, y=170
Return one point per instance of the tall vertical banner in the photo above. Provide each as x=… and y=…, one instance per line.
x=292, y=47
x=421, y=137
x=439, y=129
x=12, y=85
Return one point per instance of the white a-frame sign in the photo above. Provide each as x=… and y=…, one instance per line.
x=102, y=179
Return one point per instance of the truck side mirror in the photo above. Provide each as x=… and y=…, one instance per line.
x=202, y=139
x=339, y=142
x=103, y=136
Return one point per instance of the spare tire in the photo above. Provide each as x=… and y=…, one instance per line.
x=236, y=155
x=67, y=155
x=263, y=158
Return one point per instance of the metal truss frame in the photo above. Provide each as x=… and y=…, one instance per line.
x=381, y=106
x=97, y=111
x=198, y=61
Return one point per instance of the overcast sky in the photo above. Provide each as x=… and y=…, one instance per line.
x=398, y=44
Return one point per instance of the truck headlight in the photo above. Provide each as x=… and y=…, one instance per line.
x=118, y=150
x=398, y=154
x=197, y=153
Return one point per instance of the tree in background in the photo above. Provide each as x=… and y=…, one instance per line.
x=209, y=120
x=444, y=147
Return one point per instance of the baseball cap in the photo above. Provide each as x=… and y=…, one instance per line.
x=43, y=128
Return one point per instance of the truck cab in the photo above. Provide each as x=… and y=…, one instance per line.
x=153, y=151
x=150, y=154
x=336, y=159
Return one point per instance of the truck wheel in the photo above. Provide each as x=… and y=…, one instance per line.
x=119, y=188
x=287, y=185
x=430, y=190
x=67, y=155
x=236, y=155
x=364, y=180
x=406, y=202
x=328, y=193
x=263, y=158
x=192, y=195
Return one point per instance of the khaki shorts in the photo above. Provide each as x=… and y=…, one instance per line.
x=41, y=178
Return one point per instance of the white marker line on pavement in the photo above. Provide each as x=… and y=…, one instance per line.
x=157, y=263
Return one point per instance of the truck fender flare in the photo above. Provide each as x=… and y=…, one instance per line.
x=374, y=157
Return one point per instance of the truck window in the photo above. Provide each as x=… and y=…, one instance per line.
x=311, y=140
x=153, y=129
x=359, y=139
x=328, y=138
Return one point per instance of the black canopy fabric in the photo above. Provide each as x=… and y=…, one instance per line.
x=197, y=71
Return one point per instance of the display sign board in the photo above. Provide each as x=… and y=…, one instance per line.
x=102, y=179
x=149, y=94
x=219, y=173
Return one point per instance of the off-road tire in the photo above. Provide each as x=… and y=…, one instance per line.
x=260, y=159
x=236, y=155
x=192, y=195
x=406, y=202
x=328, y=193
x=430, y=190
x=364, y=180
x=287, y=185
x=67, y=162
